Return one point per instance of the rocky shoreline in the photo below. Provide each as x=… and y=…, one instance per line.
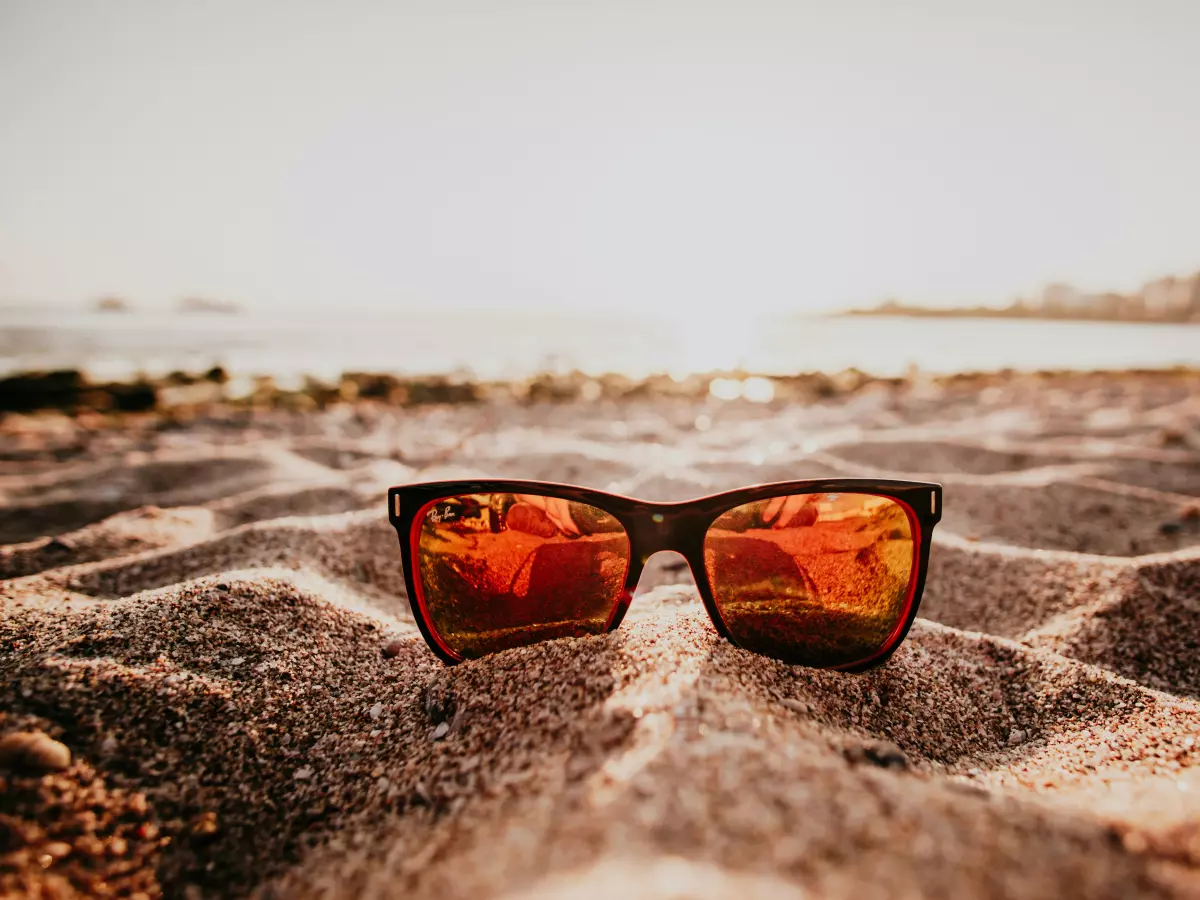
x=72, y=391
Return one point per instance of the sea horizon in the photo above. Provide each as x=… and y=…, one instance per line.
x=501, y=345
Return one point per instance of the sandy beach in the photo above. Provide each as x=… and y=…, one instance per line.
x=206, y=609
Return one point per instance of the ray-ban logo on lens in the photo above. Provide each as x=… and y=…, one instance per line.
x=444, y=513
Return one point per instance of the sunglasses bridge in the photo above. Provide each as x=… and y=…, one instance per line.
x=668, y=526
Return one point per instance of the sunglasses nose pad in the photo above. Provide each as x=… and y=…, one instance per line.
x=622, y=607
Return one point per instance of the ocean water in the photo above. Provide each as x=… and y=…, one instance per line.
x=490, y=345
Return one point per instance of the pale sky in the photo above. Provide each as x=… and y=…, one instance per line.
x=582, y=157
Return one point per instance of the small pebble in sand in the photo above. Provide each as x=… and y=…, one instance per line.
x=392, y=650
x=205, y=825
x=1173, y=437
x=884, y=754
x=795, y=705
x=1135, y=842
x=375, y=711
x=441, y=731
x=56, y=849
x=33, y=752
x=1016, y=736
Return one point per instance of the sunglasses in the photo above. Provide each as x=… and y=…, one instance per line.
x=825, y=573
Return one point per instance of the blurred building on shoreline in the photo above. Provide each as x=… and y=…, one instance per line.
x=1169, y=299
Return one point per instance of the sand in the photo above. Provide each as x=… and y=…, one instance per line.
x=210, y=616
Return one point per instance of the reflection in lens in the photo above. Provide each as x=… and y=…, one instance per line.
x=818, y=579
x=506, y=570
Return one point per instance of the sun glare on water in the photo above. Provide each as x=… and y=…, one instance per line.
x=712, y=344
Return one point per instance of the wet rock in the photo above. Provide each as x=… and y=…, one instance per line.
x=41, y=390
x=138, y=397
x=410, y=392
x=372, y=386
x=178, y=378
x=439, y=390
x=69, y=390
x=553, y=389
x=34, y=752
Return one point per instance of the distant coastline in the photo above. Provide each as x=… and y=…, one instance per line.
x=207, y=305
x=114, y=304
x=1163, y=301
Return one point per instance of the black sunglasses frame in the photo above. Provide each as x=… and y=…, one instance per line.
x=680, y=526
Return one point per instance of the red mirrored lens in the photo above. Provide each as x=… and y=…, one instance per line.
x=503, y=570
x=818, y=579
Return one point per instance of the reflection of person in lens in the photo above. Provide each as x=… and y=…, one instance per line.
x=792, y=511
x=545, y=517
